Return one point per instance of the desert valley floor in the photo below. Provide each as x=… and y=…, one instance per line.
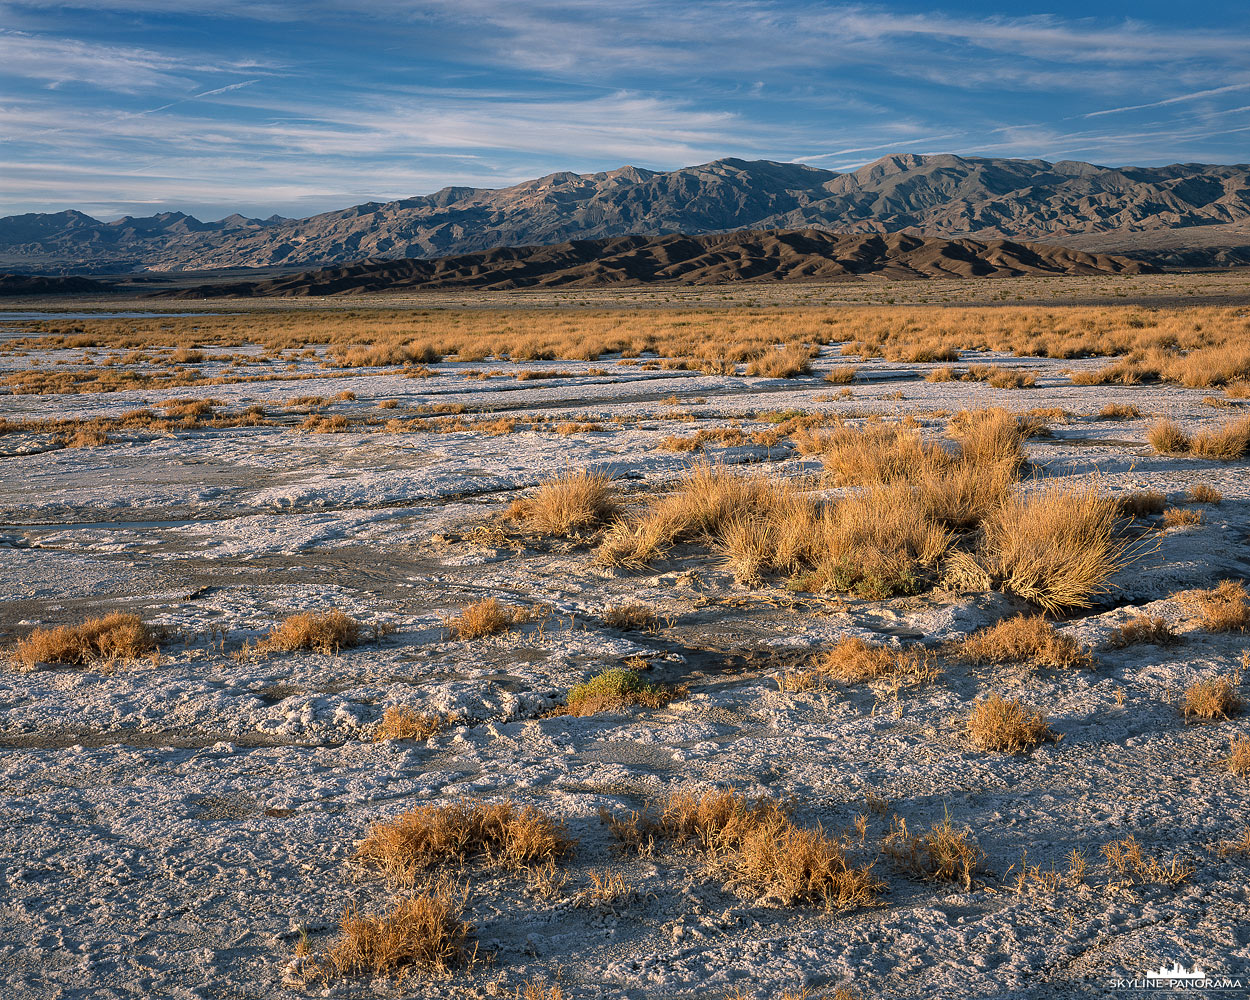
x=186, y=822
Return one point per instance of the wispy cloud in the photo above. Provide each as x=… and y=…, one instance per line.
x=300, y=105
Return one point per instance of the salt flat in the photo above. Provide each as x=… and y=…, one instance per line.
x=175, y=826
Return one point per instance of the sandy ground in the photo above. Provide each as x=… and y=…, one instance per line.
x=167, y=830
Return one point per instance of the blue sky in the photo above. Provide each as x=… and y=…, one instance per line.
x=212, y=106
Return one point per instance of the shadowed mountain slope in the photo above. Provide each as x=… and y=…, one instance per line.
x=776, y=255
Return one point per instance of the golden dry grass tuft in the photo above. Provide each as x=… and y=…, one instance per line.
x=753, y=844
x=1127, y=859
x=1225, y=608
x=615, y=689
x=1055, y=545
x=1212, y=698
x=785, y=362
x=501, y=834
x=1007, y=726
x=116, y=636
x=1167, y=438
x=423, y=933
x=853, y=661
x=1024, y=638
x=540, y=989
x=841, y=374
x=1225, y=444
x=1180, y=517
x=1141, y=503
x=319, y=632
x=631, y=617
x=943, y=854
x=573, y=501
x=1205, y=493
x=1141, y=630
x=485, y=618
x=403, y=722
x=1119, y=411
x=1238, y=759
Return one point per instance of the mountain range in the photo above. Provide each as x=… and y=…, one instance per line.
x=1188, y=214
x=745, y=255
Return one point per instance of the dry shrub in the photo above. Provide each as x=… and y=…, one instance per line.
x=1007, y=726
x=1126, y=858
x=613, y=690
x=944, y=854
x=496, y=428
x=1179, y=517
x=388, y=404
x=754, y=844
x=1001, y=378
x=501, y=833
x=1236, y=848
x=841, y=374
x=1225, y=608
x=1226, y=444
x=1167, y=438
x=943, y=374
x=853, y=661
x=1212, y=698
x=632, y=617
x=486, y=617
x=1238, y=759
x=573, y=501
x=117, y=636
x=675, y=442
x=402, y=722
x=87, y=437
x=1205, y=493
x=991, y=436
x=1024, y=638
x=1119, y=411
x=785, y=362
x=336, y=424
x=1140, y=630
x=320, y=632
x=1141, y=503
x=1055, y=546
x=539, y=989
x=425, y=933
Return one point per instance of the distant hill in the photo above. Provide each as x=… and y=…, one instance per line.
x=769, y=255
x=1203, y=210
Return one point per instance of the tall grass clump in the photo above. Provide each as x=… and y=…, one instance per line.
x=116, y=636
x=573, y=501
x=319, y=632
x=1055, y=545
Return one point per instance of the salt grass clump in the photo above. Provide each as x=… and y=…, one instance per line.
x=753, y=844
x=403, y=722
x=1212, y=698
x=784, y=362
x=942, y=854
x=1167, y=438
x=1225, y=608
x=1179, y=517
x=853, y=661
x=502, y=834
x=423, y=933
x=1056, y=545
x=319, y=632
x=574, y=501
x=485, y=618
x=1238, y=759
x=1224, y=444
x=1205, y=493
x=1007, y=726
x=1141, y=503
x=1024, y=638
x=116, y=636
x=1142, y=630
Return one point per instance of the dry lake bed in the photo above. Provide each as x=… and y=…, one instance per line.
x=181, y=814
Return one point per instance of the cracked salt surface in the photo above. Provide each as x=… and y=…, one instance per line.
x=167, y=829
